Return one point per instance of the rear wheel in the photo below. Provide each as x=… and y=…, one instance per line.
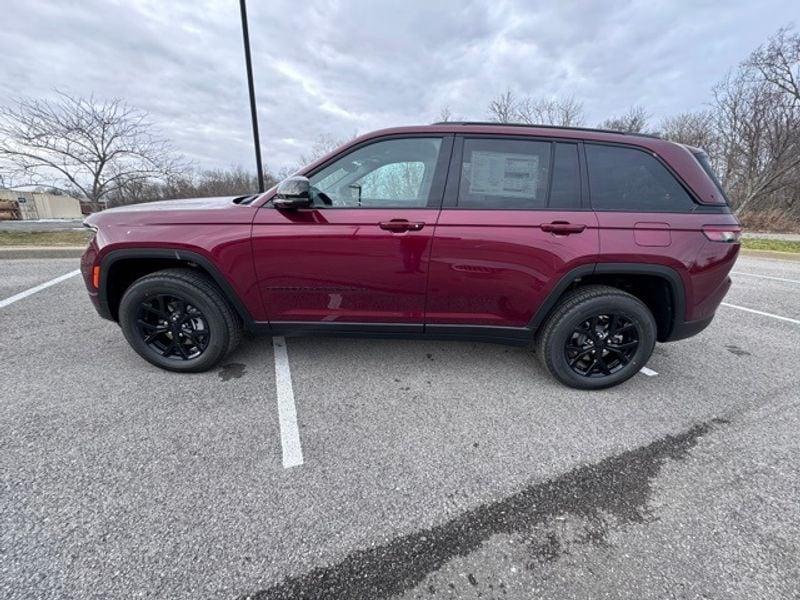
x=177, y=319
x=597, y=337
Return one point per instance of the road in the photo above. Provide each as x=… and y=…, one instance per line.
x=429, y=469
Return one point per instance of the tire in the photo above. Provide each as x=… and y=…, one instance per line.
x=209, y=327
x=570, y=336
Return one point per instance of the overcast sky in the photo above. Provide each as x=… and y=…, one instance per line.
x=338, y=67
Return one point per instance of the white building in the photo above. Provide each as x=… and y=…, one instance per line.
x=37, y=205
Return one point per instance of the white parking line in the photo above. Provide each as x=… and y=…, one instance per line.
x=765, y=277
x=648, y=372
x=38, y=288
x=765, y=314
x=287, y=413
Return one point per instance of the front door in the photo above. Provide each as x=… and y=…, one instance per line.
x=360, y=254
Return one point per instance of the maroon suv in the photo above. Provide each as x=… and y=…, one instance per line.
x=591, y=244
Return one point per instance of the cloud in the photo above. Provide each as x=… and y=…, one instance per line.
x=338, y=67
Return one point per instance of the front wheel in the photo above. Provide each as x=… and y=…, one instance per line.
x=597, y=337
x=177, y=319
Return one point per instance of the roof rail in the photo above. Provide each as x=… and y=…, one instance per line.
x=540, y=126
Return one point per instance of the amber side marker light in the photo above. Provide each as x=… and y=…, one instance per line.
x=96, y=277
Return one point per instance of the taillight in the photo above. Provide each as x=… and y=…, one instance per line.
x=96, y=277
x=722, y=233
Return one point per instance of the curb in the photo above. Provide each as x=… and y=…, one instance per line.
x=12, y=252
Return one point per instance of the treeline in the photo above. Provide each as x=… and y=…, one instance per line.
x=234, y=181
x=108, y=153
x=750, y=128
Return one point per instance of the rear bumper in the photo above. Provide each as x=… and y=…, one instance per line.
x=687, y=329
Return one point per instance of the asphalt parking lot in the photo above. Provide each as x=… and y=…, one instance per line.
x=417, y=469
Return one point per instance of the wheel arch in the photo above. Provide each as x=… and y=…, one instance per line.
x=659, y=287
x=120, y=268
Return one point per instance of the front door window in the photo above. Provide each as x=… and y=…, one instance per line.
x=387, y=174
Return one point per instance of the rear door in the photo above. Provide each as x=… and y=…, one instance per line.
x=360, y=254
x=514, y=221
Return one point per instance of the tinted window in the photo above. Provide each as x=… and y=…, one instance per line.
x=391, y=173
x=504, y=174
x=702, y=158
x=629, y=179
x=566, y=190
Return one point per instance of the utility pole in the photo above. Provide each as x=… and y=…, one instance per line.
x=253, y=112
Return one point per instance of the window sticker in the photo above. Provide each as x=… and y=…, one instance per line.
x=503, y=174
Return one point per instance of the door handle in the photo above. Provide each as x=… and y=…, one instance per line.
x=562, y=228
x=400, y=225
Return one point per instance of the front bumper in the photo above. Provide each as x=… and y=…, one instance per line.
x=88, y=260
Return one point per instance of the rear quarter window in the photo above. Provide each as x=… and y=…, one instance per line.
x=702, y=158
x=627, y=179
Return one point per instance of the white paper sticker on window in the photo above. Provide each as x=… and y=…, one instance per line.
x=502, y=174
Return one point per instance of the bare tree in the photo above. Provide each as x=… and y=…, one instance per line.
x=83, y=146
x=757, y=121
x=778, y=62
x=503, y=108
x=234, y=181
x=634, y=120
x=759, y=133
x=565, y=112
x=691, y=128
x=445, y=114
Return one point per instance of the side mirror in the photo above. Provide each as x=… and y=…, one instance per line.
x=293, y=192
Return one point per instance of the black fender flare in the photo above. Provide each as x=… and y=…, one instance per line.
x=667, y=273
x=177, y=254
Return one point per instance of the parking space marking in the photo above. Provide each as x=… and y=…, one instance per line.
x=287, y=412
x=38, y=288
x=760, y=312
x=765, y=277
x=648, y=372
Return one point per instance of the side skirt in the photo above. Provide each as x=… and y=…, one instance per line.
x=518, y=336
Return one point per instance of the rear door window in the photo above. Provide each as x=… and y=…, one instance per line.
x=504, y=174
x=627, y=179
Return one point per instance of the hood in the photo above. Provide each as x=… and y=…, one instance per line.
x=183, y=204
x=223, y=209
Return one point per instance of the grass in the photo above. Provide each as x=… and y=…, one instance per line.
x=44, y=238
x=774, y=245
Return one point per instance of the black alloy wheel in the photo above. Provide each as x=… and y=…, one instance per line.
x=596, y=337
x=602, y=345
x=179, y=320
x=173, y=327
